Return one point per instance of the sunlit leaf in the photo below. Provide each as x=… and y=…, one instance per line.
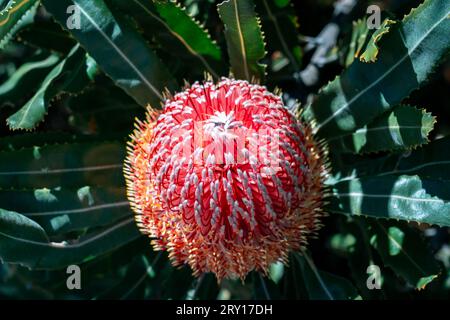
x=119, y=49
x=68, y=76
x=406, y=252
x=403, y=127
x=245, y=40
x=403, y=197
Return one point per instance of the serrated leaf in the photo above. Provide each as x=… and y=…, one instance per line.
x=406, y=252
x=119, y=50
x=181, y=24
x=26, y=76
x=364, y=42
x=357, y=41
x=15, y=15
x=67, y=76
x=60, y=210
x=244, y=38
x=169, y=23
x=63, y=165
x=371, y=50
x=46, y=35
x=432, y=161
x=408, y=55
x=25, y=242
x=403, y=197
x=279, y=23
x=403, y=127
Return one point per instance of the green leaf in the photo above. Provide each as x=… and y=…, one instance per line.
x=293, y=284
x=133, y=283
x=162, y=280
x=244, y=38
x=98, y=275
x=409, y=53
x=63, y=165
x=432, y=161
x=194, y=37
x=371, y=50
x=403, y=249
x=109, y=103
x=60, y=210
x=68, y=76
x=354, y=244
x=91, y=67
x=40, y=138
x=276, y=271
x=176, y=282
x=169, y=23
x=357, y=41
x=25, y=242
x=207, y=288
x=14, y=15
x=402, y=197
x=119, y=50
x=264, y=288
x=280, y=25
x=364, y=42
x=322, y=285
x=46, y=35
x=403, y=127
x=26, y=76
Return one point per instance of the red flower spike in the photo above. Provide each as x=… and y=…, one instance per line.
x=225, y=179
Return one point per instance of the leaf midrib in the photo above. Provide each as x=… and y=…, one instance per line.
x=241, y=40
x=179, y=37
x=70, y=246
x=368, y=195
x=363, y=131
x=401, y=249
x=79, y=210
x=123, y=56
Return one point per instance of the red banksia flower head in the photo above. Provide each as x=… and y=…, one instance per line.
x=225, y=178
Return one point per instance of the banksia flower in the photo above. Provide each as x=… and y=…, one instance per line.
x=225, y=179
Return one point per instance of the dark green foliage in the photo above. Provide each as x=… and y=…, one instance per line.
x=124, y=56
x=68, y=76
x=409, y=54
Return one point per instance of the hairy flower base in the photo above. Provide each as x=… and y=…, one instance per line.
x=225, y=179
